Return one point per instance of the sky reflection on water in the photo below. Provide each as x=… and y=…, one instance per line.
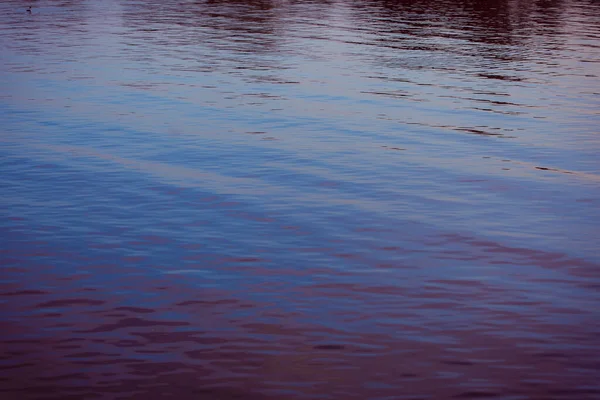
x=296, y=199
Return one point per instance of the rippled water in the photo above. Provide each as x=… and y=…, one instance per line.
x=300, y=200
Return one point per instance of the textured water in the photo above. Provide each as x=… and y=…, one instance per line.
x=300, y=200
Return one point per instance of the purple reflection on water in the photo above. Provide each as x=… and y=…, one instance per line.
x=299, y=200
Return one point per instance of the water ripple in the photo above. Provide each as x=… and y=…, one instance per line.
x=260, y=199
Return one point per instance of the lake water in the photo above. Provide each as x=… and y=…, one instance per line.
x=300, y=199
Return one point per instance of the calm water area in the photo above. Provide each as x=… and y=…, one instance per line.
x=288, y=199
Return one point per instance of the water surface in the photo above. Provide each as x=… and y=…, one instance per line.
x=300, y=199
